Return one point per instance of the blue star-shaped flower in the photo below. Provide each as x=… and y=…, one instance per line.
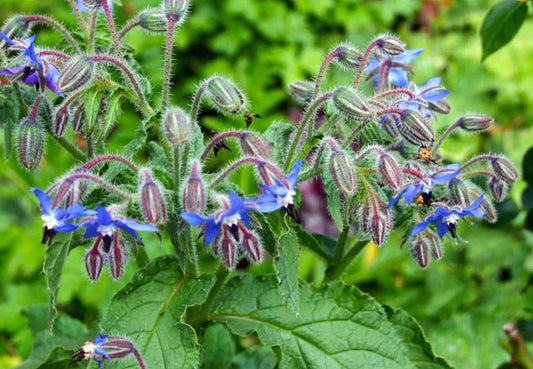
x=105, y=226
x=36, y=72
x=398, y=67
x=57, y=220
x=93, y=350
x=230, y=216
x=83, y=8
x=430, y=92
x=425, y=185
x=279, y=195
x=446, y=219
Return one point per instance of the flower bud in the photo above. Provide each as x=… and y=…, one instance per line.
x=351, y=103
x=349, y=57
x=498, y=188
x=390, y=171
x=153, y=204
x=434, y=244
x=476, y=122
x=416, y=129
x=390, y=45
x=224, y=95
x=376, y=219
x=63, y=191
x=176, y=124
x=118, y=257
x=61, y=119
x=505, y=170
x=252, y=144
x=76, y=74
x=94, y=261
x=486, y=206
x=194, y=191
x=301, y=91
x=419, y=251
x=30, y=143
x=93, y=4
x=224, y=247
x=441, y=107
x=178, y=9
x=343, y=172
x=154, y=20
x=252, y=247
x=458, y=192
x=15, y=27
x=78, y=121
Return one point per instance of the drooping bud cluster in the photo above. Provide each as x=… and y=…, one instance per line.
x=389, y=45
x=76, y=74
x=301, y=91
x=476, y=122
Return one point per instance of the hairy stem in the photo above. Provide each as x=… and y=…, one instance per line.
x=197, y=101
x=128, y=27
x=110, y=157
x=445, y=135
x=323, y=68
x=102, y=182
x=79, y=17
x=363, y=63
x=250, y=160
x=55, y=24
x=112, y=28
x=346, y=260
x=168, y=61
x=218, y=138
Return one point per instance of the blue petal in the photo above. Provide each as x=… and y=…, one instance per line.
x=395, y=199
x=374, y=63
x=435, y=95
x=398, y=77
x=103, y=216
x=419, y=227
x=442, y=228
x=408, y=56
x=245, y=219
x=408, y=105
x=211, y=231
x=6, y=39
x=66, y=228
x=292, y=177
x=235, y=202
x=193, y=218
x=102, y=338
x=267, y=203
x=411, y=192
x=128, y=229
x=136, y=226
x=446, y=174
x=433, y=82
x=10, y=71
x=32, y=56
x=44, y=200
x=472, y=210
x=91, y=229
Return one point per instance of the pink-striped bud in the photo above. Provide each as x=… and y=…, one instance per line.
x=389, y=45
x=343, y=172
x=252, y=144
x=505, y=170
x=78, y=121
x=153, y=204
x=441, y=107
x=62, y=117
x=476, y=122
x=419, y=250
x=118, y=257
x=225, y=96
x=458, y=193
x=434, y=244
x=193, y=199
x=301, y=91
x=63, y=193
x=251, y=246
x=376, y=219
x=416, y=129
x=225, y=247
x=349, y=57
x=351, y=103
x=390, y=171
x=498, y=188
x=76, y=74
x=94, y=260
x=30, y=143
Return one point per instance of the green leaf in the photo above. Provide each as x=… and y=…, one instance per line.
x=149, y=309
x=92, y=101
x=54, y=262
x=501, y=24
x=257, y=357
x=338, y=326
x=278, y=133
x=9, y=117
x=113, y=111
x=334, y=200
x=218, y=347
x=527, y=166
x=286, y=264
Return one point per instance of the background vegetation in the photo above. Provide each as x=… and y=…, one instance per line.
x=461, y=301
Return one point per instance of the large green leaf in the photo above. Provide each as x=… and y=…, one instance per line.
x=218, y=348
x=287, y=266
x=149, y=309
x=501, y=24
x=337, y=327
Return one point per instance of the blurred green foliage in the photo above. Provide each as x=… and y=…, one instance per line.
x=461, y=301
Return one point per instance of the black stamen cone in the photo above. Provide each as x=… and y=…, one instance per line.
x=452, y=227
x=51, y=236
x=46, y=234
x=427, y=197
x=234, y=229
x=292, y=212
x=26, y=73
x=107, y=242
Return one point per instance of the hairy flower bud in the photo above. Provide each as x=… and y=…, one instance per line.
x=118, y=257
x=349, y=57
x=153, y=204
x=252, y=144
x=178, y=9
x=476, y=122
x=441, y=107
x=61, y=119
x=505, y=170
x=63, y=191
x=78, y=121
x=375, y=219
x=251, y=246
x=419, y=250
x=30, y=143
x=225, y=248
x=94, y=261
x=14, y=27
x=434, y=244
x=343, y=172
x=390, y=45
x=458, y=192
x=154, y=20
x=486, y=206
x=350, y=103
x=390, y=171
x=498, y=188
x=301, y=91
x=176, y=124
x=194, y=191
x=93, y=4
x=225, y=96
x=416, y=129
x=76, y=74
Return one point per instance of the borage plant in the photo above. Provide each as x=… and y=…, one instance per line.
x=377, y=156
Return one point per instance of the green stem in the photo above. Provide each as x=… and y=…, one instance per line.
x=168, y=62
x=354, y=134
x=70, y=148
x=338, y=269
x=93, y=20
x=18, y=93
x=197, y=101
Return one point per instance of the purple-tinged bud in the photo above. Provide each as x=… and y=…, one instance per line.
x=301, y=91
x=487, y=207
x=376, y=219
x=251, y=246
x=106, y=347
x=154, y=20
x=93, y=4
x=505, y=170
x=419, y=250
x=434, y=244
x=343, y=172
x=78, y=121
x=498, y=188
x=349, y=57
x=441, y=107
x=177, y=9
x=391, y=126
x=176, y=124
x=225, y=246
x=225, y=96
x=94, y=260
x=14, y=27
x=63, y=192
x=350, y=103
x=76, y=74
x=153, y=204
x=62, y=117
x=30, y=143
x=390, y=171
x=459, y=193
x=118, y=257
x=390, y=45
x=416, y=129
x=476, y=122
x=252, y=144
x=194, y=191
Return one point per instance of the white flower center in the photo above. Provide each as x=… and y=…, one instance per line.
x=288, y=199
x=107, y=230
x=452, y=218
x=232, y=219
x=50, y=221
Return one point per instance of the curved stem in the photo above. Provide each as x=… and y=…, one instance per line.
x=112, y=28
x=139, y=358
x=128, y=27
x=320, y=75
x=52, y=22
x=479, y=173
x=445, y=135
x=395, y=92
x=197, y=101
x=309, y=113
x=251, y=160
x=477, y=159
x=93, y=21
x=53, y=53
x=79, y=17
x=216, y=139
x=168, y=61
x=110, y=157
x=18, y=94
x=363, y=64
x=102, y=182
